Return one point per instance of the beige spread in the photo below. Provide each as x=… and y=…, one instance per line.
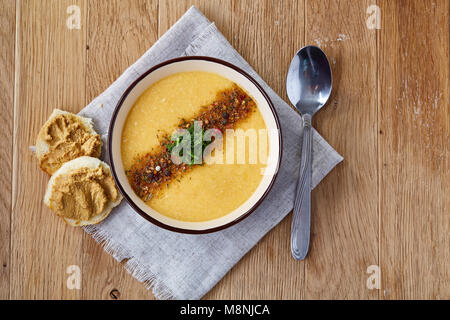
x=83, y=193
x=67, y=138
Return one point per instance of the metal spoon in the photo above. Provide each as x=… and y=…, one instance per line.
x=308, y=85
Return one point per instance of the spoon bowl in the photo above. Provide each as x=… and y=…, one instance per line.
x=309, y=80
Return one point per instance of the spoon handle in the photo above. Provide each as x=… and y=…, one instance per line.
x=302, y=206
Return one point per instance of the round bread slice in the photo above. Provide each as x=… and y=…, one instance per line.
x=65, y=136
x=67, y=183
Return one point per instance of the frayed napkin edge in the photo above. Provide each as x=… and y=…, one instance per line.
x=135, y=268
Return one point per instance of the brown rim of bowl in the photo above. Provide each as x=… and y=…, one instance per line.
x=119, y=185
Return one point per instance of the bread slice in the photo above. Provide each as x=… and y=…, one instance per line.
x=78, y=163
x=51, y=160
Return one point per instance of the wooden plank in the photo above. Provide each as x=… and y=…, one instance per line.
x=267, y=35
x=119, y=32
x=413, y=149
x=7, y=36
x=344, y=239
x=50, y=71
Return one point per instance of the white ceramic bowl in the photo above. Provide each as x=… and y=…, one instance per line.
x=163, y=70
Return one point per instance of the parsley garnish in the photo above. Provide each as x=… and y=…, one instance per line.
x=196, y=140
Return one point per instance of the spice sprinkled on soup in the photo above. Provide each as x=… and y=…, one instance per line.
x=190, y=189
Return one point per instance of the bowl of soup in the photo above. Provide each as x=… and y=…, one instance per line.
x=194, y=144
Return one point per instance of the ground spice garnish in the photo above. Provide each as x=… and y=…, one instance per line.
x=156, y=169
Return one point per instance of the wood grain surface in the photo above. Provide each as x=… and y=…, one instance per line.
x=7, y=36
x=386, y=205
x=413, y=121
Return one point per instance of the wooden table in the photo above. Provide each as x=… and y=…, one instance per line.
x=385, y=205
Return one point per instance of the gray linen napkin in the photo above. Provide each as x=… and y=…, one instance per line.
x=182, y=266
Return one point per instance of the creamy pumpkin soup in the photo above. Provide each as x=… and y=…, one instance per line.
x=193, y=189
